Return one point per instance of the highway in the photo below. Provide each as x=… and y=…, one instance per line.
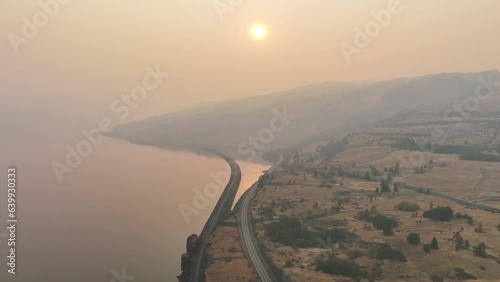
x=224, y=204
x=247, y=234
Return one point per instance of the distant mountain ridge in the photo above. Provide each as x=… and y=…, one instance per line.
x=320, y=110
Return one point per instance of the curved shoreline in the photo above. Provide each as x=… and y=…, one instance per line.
x=196, y=258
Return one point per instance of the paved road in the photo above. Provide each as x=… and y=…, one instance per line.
x=247, y=234
x=456, y=199
x=224, y=204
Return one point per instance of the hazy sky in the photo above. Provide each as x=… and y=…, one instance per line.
x=92, y=51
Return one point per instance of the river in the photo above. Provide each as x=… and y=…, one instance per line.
x=117, y=213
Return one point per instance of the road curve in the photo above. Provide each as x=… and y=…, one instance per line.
x=247, y=234
x=224, y=204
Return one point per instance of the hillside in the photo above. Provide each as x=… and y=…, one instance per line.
x=335, y=213
x=314, y=112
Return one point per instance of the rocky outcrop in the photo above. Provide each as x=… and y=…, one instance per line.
x=188, y=258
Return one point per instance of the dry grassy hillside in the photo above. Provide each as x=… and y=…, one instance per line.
x=313, y=190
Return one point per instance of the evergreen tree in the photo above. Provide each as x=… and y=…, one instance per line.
x=367, y=177
x=384, y=186
x=434, y=244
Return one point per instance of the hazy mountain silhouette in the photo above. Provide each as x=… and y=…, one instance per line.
x=320, y=110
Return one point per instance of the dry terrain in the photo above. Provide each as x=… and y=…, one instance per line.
x=306, y=198
x=311, y=189
x=227, y=261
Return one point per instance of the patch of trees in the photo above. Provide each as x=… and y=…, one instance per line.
x=335, y=266
x=476, y=155
x=394, y=170
x=408, y=206
x=439, y=213
x=466, y=152
x=384, y=186
x=378, y=221
x=333, y=148
x=387, y=252
x=289, y=231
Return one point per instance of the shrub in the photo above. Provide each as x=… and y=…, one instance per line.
x=267, y=211
x=480, y=250
x=364, y=215
x=465, y=216
x=304, y=243
x=413, y=238
x=437, y=278
x=388, y=232
x=335, y=235
x=355, y=253
x=463, y=275
x=387, y=252
x=426, y=248
x=408, y=206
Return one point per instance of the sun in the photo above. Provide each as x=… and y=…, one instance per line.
x=258, y=32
